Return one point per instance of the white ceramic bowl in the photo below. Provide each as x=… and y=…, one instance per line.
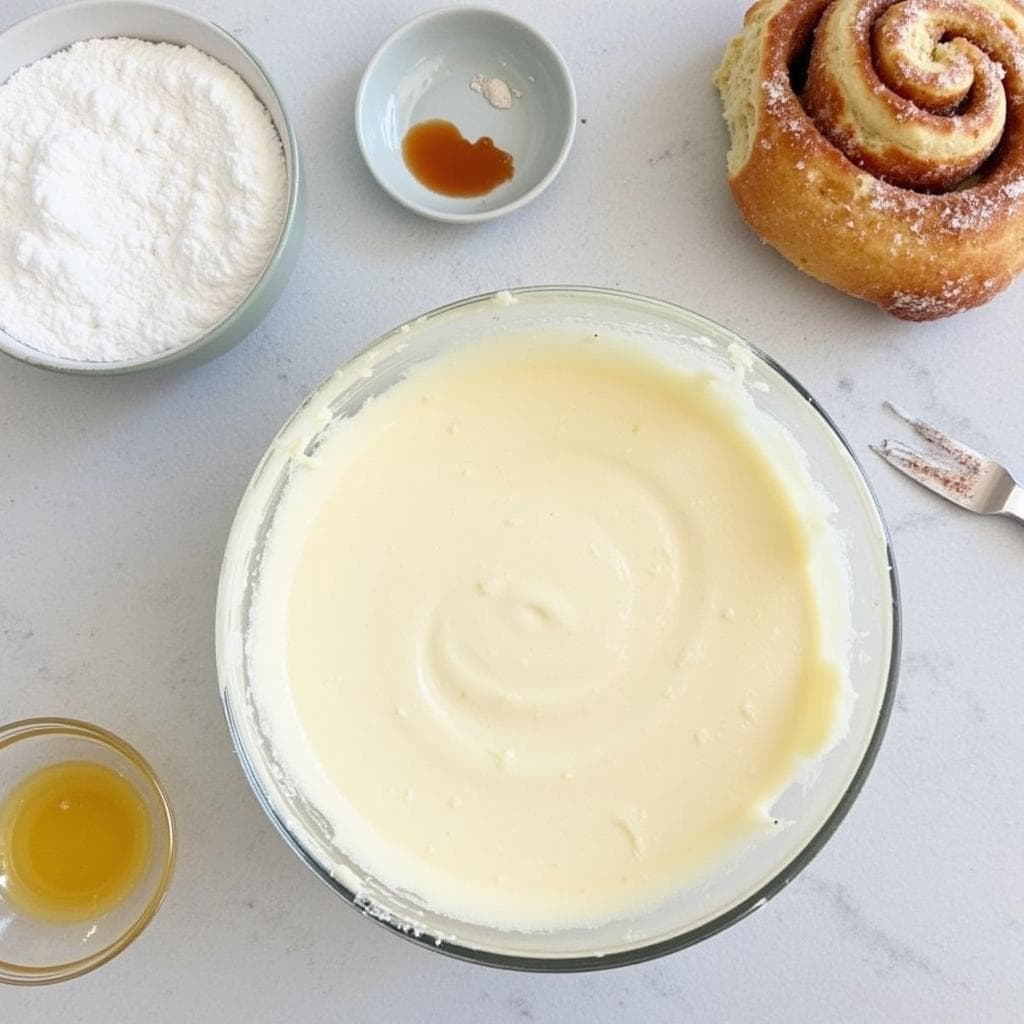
x=424, y=70
x=54, y=29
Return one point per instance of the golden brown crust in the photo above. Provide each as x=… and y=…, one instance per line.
x=920, y=256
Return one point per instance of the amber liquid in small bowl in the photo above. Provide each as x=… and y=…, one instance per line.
x=74, y=841
x=441, y=159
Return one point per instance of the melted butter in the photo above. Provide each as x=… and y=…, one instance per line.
x=548, y=629
x=74, y=840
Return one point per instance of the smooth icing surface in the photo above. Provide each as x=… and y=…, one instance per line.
x=539, y=631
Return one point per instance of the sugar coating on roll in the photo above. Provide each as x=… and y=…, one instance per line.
x=879, y=146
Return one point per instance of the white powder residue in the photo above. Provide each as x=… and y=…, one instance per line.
x=913, y=306
x=1014, y=190
x=777, y=90
x=142, y=193
x=496, y=91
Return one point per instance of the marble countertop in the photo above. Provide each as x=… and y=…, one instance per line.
x=116, y=497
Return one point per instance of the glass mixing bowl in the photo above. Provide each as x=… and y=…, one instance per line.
x=739, y=882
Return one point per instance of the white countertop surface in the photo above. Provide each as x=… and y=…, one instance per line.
x=116, y=497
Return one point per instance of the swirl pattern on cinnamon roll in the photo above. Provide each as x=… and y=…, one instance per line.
x=879, y=145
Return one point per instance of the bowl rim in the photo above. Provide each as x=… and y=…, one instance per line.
x=291, y=222
x=768, y=889
x=469, y=216
x=34, y=728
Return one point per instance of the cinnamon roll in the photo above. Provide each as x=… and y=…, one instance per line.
x=879, y=145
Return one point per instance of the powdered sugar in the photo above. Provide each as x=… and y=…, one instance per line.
x=496, y=91
x=142, y=191
x=1014, y=190
x=777, y=89
x=970, y=209
x=913, y=306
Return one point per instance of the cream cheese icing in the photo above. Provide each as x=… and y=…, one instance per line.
x=543, y=630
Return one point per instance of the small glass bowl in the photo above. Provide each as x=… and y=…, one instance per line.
x=37, y=952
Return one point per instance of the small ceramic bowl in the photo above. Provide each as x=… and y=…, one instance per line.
x=51, y=30
x=425, y=71
x=34, y=951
